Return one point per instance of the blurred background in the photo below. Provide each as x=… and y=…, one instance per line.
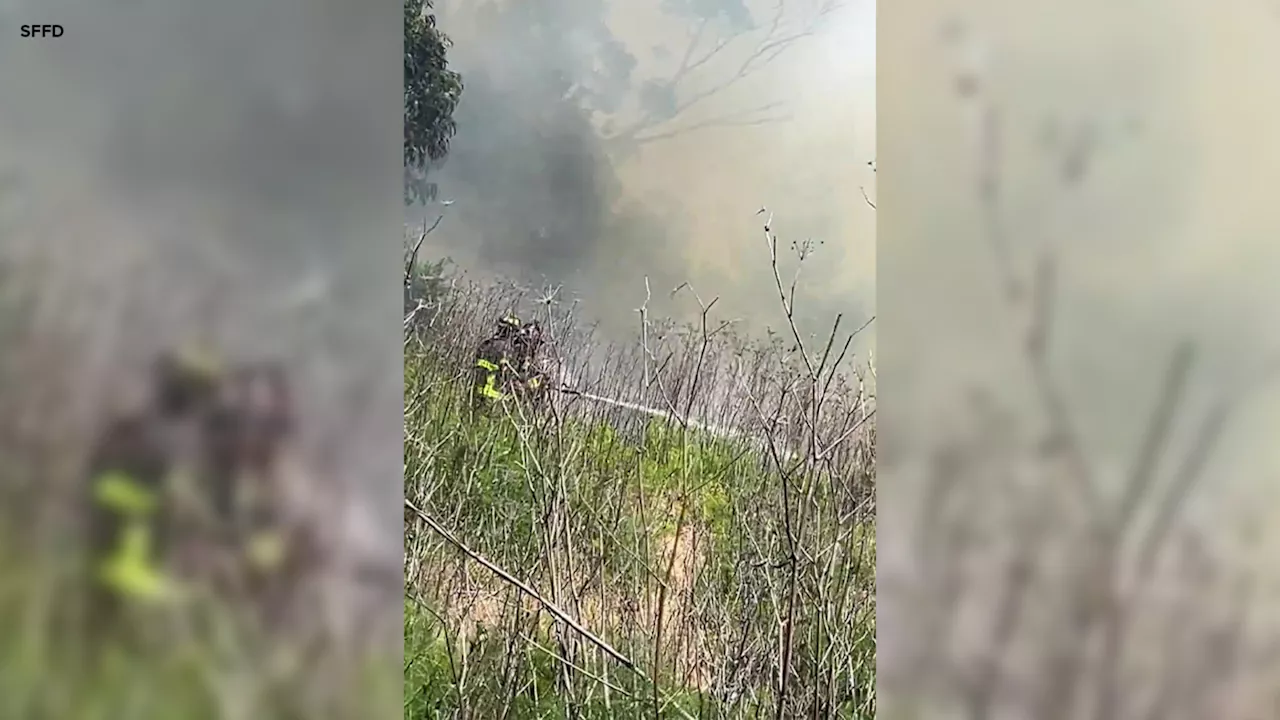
x=1077, y=283
x=219, y=178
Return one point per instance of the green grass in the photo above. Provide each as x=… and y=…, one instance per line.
x=585, y=514
x=50, y=669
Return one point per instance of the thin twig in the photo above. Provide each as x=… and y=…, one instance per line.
x=555, y=611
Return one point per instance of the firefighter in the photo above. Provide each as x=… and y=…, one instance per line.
x=530, y=376
x=527, y=343
x=129, y=472
x=189, y=483
x=250, y=430
x=246, y=428
x=497, y=361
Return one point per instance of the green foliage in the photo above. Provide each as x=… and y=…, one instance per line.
x=431, y=93
x=496, y=479
x=50, y=669
x=430, y=689
x=426, y=286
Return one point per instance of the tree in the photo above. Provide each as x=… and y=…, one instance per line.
x=431, y=93
x=725, y=44
x=685, y=87
x=558, y=99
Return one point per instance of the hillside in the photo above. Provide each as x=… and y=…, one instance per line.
x=600, y=560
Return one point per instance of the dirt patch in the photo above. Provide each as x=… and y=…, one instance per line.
x=479, y=601
x=684, y=641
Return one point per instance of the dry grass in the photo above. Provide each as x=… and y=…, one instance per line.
x=712, y=557
x=1029, y=579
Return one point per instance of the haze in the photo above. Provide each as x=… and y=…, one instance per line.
x=676, y=209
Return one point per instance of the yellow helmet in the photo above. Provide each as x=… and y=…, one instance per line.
x=198, y=361
x=509, y=325
x=185, y=376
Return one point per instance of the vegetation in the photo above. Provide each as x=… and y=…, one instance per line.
x=630, y=94
x=1046, y=576
x=204, y=660
x=431, y=92
x=182, y=665
x=715, y=559
x=569, y=90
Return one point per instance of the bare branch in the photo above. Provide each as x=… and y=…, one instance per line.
x=775, y=41
x=722, y=121
x=413, y=255
x=865, y=198
x=555, y=611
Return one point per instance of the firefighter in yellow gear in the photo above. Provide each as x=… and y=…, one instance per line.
x=531, y=380
x=506, y=364
x=175, y=477
x=138, y=458
x=248, y=429
x=495, y=364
